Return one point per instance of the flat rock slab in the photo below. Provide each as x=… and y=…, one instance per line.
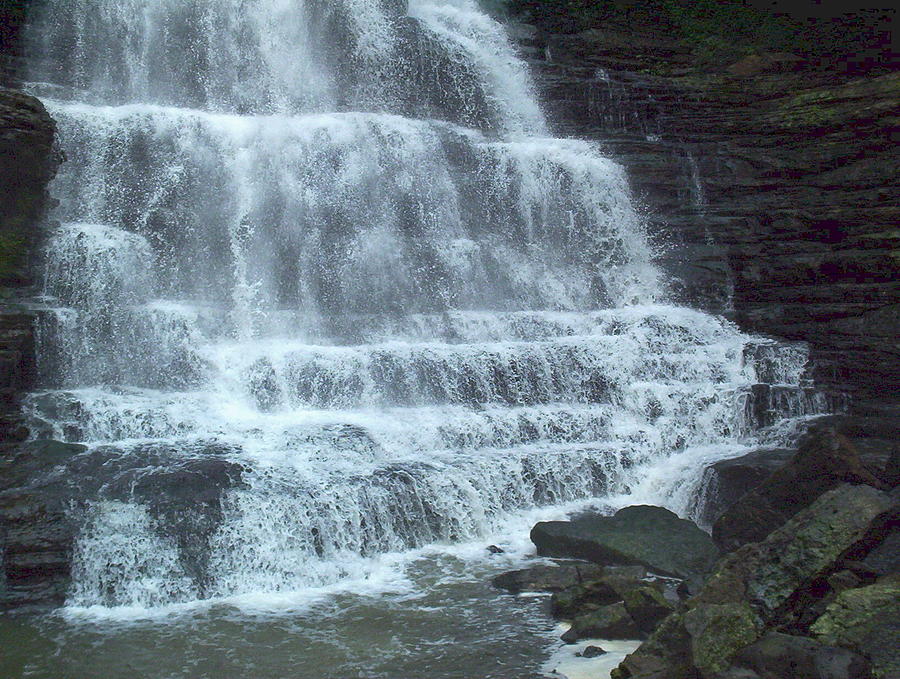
x=642, y=535
x=547, y=578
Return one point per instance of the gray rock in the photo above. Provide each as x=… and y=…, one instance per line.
x=727, y=481
x=824, y=460
x=644, y=535
x=592, y=652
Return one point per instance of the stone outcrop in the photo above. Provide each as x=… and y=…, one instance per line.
x=43, y=483
x=28, y=162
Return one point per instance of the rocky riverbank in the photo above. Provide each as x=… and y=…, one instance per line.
x=806, y=584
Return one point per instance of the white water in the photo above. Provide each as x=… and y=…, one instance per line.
x=321, y=264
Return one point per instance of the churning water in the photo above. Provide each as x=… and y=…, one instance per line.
x=324, y=292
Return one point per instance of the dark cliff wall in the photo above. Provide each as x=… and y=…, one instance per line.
x=774, y=177
x=27, y=163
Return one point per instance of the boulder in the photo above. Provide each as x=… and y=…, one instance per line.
x=647, y=607
x=717, y=632
x=547, y=578
x=824, y=460
x=727, y=481
x=866, y=620
x=642, y=535
x=607, y=622
x=807, y=547
x=779, y=655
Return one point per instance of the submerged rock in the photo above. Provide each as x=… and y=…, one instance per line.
x=642, y=535
x=546, y=578
x=592, y=652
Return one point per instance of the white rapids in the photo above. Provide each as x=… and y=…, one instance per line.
x=322, y=264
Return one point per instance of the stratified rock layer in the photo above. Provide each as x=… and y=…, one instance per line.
x=27, y=163
x=776, y=184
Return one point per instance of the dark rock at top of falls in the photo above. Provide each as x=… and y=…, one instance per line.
x=649, y=536
x=776, y=186
x=824, y=460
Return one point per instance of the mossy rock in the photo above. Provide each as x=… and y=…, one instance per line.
x=718, y=631
x=866, y=620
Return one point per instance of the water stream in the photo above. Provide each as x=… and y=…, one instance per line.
x=333, y=311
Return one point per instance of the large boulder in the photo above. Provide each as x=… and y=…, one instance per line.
x=825, y=459
x=727, y=481
x=867, y=620
x=643, y=535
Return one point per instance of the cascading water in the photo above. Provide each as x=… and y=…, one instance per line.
x=324, y=289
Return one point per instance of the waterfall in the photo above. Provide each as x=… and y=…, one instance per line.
x=324, y=288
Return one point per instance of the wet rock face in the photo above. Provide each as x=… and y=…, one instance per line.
x=547, y=578
x=27, y=163
x=774, y=184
